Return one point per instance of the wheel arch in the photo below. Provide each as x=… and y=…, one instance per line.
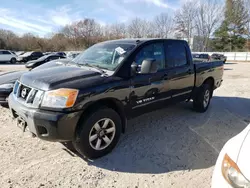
x=210, y=81
x=112, y=103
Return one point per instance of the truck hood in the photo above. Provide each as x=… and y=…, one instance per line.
x=10, y=77
x=46, y=79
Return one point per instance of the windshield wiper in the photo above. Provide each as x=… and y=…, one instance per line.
x=92, y=66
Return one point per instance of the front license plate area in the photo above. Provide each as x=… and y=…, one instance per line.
x=21, y=123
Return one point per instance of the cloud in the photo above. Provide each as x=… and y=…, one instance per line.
x=23, y=22
x=64, y=15
x=8, y=19
x=159, y=3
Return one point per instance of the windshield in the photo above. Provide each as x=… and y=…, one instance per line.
x=104, y=55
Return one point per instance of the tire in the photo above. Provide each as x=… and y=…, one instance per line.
x=202, y=99
x=88, y=129
x=13, y=60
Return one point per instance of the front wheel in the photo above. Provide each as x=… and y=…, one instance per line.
x=202, y=99
x=98, y=133
x=13, y=61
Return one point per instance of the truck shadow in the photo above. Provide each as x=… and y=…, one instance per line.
x=177, y=138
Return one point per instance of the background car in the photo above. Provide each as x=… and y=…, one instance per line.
x=61, y=53
x=7, y=56
x=219, y=57
x=232, y=168
x=42, y=60
x=201, y=57
x=72, y=55
x=29, y=56
x=7, y=81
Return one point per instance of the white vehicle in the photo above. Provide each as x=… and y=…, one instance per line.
x=7, y=56
x=232, y=168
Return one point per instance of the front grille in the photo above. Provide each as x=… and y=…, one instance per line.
x=27, y=95
x=24, y=92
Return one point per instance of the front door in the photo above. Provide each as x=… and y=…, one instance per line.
x=149, y=89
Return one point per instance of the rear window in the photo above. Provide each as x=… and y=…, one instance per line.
x=176, y=55
x=37, y=53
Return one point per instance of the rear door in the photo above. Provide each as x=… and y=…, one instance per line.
x=180, y=69
x=148, y=89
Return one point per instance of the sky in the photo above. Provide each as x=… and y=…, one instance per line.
x=41, y=17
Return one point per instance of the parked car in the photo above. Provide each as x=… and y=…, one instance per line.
x=219, y=57
x=201, y=57
x=47, y=53
x=42, y=60
x=19, y=53
x=72, y=55
x=28, y=56
x=61, y=54
x=8, y=79
x=88, y=101
x=232, y=166
x=7, y=56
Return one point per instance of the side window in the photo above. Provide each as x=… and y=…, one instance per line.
x=1, y=52
x=6, y=52
x=152, y=51
x=175, y=54
x=36, y=54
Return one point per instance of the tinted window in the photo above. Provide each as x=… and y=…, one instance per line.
x=6, y=52
x=204, y=56
x=152, y=51
x=37, y=54
x=1, y=52
x=176, y=54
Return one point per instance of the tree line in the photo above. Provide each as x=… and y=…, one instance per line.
x=207, y=24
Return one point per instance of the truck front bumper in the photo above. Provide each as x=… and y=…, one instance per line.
x=46, y=125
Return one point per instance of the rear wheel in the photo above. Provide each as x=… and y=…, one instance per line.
x=202, y=99
x=13, y=60
x=98, y=133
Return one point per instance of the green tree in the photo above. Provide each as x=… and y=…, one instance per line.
x=231, y=35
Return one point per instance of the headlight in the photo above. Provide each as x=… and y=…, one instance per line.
x=60, y=98
x=232, y=173
x=6, y=86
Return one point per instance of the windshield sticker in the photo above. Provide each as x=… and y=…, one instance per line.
x=120, y=50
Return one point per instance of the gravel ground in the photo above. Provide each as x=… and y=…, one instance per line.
x=10, y=67
x=172, y=147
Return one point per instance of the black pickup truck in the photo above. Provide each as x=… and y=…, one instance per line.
x=88, y=101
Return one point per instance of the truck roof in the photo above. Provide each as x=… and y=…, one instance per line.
x=139, y=40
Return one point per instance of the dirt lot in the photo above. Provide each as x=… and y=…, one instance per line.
x=172, y=147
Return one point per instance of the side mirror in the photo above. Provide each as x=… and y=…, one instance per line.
x=148, y=66
x=134, y=69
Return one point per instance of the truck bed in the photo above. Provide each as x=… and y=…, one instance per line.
x=204, y=70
